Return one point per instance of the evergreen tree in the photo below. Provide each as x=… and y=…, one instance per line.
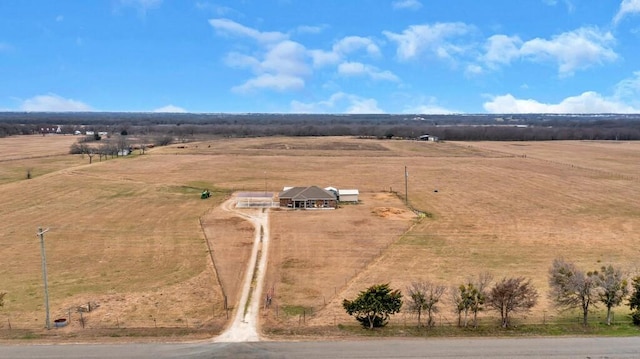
x=373, y=307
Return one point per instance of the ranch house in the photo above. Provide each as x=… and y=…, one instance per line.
x=312, y=197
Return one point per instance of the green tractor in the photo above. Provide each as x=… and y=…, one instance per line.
x=205, y=194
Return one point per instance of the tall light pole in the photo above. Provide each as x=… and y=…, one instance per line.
x=41, y=233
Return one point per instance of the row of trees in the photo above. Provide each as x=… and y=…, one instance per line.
x=447, y=127
x=570, y=288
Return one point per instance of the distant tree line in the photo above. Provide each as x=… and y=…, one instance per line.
x=570, y=288
x=185, y=127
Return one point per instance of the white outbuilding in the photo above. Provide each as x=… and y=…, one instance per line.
x=348, y=195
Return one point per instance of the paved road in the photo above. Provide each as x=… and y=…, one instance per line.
x=529, y=348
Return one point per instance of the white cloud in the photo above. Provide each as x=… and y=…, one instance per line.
x=359, y=69
x=627, y=7
x=353, y=43
x=419, y=104
x=170, y=109
x=147, y=4
x=339, y=102
x=629, y=88
x=219, y=10
x=570, y=6
x=281, y=64
x=363, y=106
x=306, y=29
x=53, y=103
x=430, y=39
x=473, y=70
x=587, y=102
x=283, y=68
x=341, y=49
x=501, y=49
x=573, y=50
x=279, y=82
x=287, y=57
x=230, y=27
x=406, y=4
x=142, y=5
x=238, y=60
x=323, y=58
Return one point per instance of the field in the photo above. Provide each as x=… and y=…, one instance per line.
x=130, y=234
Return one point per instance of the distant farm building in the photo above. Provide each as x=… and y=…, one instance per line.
x=348, y=195
x=429, y=138
x=312, y=197
x=51, y=129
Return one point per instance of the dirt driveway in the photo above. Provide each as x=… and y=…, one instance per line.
x=243, y=328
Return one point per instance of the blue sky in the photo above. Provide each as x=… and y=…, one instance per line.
x=321, y=56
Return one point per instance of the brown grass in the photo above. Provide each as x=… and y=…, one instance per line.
x=126, y=233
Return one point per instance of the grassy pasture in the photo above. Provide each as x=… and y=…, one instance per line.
x=494, y=210
x=127, y=234
x=35, y=155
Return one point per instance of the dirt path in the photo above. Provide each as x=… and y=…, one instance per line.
x=243, y=328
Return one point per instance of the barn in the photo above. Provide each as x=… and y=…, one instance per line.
x=312, y=197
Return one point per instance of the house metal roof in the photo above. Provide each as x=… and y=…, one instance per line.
x=306, y=193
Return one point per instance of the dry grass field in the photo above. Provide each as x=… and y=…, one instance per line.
x=36, y=155
x=126, y=233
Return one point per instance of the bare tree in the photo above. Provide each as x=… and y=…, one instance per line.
x=572, y=287
x=122, y=145
x=434, y=294
x=417, y=298
x=512, y=295
x=425, y=296
x=613, y=288
x=459, y=304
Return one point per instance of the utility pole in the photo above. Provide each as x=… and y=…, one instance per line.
x=41, y=233
x=406, y=186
